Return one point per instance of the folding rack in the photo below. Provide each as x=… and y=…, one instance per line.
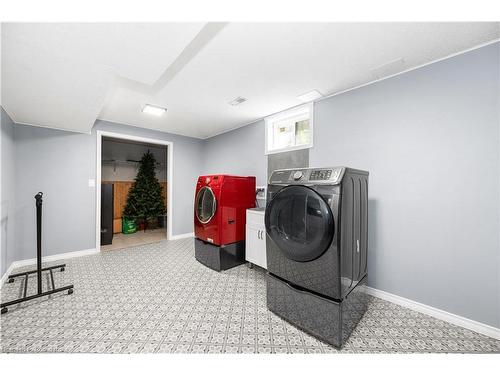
x=39, y=268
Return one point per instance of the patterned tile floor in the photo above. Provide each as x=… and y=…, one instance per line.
x=158, y=298
x=121, y=241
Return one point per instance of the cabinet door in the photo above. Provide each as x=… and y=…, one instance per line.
x=262, y=249
x=252, y=244
x=256, y=245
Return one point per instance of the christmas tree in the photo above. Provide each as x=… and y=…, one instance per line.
x=144, y=200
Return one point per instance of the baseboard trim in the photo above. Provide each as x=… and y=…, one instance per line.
x=457, y=320
x=48, y=258
x=7, y=273
x=181, y=236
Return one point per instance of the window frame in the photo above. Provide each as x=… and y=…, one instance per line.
x=290, y=113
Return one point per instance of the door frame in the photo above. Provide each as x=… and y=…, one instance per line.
x=170, y=174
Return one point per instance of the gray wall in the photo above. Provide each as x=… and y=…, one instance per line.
x=7, y=192
x=60, y=164
x=286, y=160
x=239, y=152
x=430, y=139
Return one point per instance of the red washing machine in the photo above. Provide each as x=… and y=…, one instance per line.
x=220, y=208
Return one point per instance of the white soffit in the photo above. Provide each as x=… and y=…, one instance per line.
x=58, y=74
x=111, y=71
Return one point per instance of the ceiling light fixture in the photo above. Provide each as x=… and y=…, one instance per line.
x=153, y=110
x=310, y=96
x=237, y=101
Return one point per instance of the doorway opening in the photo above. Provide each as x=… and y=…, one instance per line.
x=133, y=186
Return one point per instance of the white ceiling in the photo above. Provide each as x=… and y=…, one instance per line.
x=67, y=75
x=58, y=75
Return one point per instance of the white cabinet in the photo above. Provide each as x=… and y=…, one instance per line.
x=255, y=242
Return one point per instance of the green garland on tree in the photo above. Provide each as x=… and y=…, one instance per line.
x=144, y=200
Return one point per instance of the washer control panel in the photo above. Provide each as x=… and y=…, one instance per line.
x=303, y=175
x=320, y=174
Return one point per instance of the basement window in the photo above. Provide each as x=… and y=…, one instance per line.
x=290, y=130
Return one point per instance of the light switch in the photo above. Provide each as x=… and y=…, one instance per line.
x=91, y=182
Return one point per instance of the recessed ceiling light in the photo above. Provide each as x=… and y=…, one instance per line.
x=153, y=110
x=310, y=96
x=237, y=101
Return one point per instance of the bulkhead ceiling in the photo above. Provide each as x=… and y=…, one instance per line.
x=68, y=75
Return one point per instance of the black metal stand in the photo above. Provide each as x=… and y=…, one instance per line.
x=39, y=268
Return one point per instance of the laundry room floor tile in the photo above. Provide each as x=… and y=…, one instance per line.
x=157, y=298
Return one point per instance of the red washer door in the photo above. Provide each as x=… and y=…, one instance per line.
x=206, y=215
x=206, y=205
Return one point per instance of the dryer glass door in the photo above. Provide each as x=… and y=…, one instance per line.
x=206, y=204
x=300, y=222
